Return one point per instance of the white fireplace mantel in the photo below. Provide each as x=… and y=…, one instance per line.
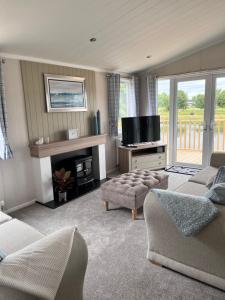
x=41, y=155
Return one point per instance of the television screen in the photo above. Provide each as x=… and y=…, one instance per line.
x=140, y=129
x=131, y=130
x=150, y=128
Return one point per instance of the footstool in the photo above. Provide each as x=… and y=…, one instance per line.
x=129, y=189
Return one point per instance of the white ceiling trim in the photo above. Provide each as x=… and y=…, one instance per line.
x=52, y=62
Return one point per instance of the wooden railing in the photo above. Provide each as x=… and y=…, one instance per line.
x=190, y=134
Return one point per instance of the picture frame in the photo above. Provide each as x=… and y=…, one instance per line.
x=65, y=93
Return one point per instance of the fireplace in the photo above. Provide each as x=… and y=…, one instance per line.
x=84, y=157
x=81, y=168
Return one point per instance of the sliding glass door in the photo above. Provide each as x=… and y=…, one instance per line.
x=189, y=122
x=217, y=125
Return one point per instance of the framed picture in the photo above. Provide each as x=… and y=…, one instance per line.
x=65, y=93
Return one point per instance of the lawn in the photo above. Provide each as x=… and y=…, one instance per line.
x=192, y=114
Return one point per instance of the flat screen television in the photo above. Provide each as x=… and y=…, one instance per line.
x=137, y=130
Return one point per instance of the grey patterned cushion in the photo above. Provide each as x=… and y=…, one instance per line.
x=209, y=183
x=2, y=255
x=220, y=176
x=217, y=193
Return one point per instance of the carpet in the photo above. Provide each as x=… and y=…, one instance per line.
x=183, y=170
x=117, y=267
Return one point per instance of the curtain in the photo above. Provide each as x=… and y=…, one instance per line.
x=135, y=86
x=151, y=93
x=5, y=150
x=113, y=85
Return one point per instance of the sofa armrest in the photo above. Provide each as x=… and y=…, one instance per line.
x=217, y=159
x=71, y=287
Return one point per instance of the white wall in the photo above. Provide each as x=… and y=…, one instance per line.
x=207, y=59
x=102, y=105
x=16, y=175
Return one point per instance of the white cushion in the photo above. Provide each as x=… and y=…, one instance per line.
x=15, y=235
x=4, y=218
x=38, y=268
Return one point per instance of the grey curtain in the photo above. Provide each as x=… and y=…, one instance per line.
x=5, y=150
x=151, y=92
x=136, y=87
x=113, y=85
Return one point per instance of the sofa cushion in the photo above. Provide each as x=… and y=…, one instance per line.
x=15, y=235
x=204, y=175
x=192, y=188
x=4, y=218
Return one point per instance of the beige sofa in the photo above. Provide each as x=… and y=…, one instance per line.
x=15, y=235
x=201, y=257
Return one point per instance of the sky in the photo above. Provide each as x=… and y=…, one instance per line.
x=192, y=88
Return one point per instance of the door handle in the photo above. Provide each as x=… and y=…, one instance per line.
x=212, y=123
x=205, y=126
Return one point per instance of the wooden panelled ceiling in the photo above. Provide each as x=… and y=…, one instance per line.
x=126, y=30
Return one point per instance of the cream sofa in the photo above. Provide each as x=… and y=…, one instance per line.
x=15, y=235
x=201, y=257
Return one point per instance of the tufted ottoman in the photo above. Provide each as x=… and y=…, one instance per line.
x=129, y=189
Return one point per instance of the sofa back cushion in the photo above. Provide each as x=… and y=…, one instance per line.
x=204, y=175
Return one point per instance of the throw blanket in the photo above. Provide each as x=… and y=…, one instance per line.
x=38, y=268
x=189, y=213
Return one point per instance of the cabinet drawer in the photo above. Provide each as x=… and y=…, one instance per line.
x=149, y=165
x=148, y=158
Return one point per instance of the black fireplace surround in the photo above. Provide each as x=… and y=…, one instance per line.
x=80, y=163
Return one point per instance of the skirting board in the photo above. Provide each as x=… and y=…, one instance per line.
x=18, y=207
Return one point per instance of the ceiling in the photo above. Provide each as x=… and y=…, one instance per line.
x=126, y=30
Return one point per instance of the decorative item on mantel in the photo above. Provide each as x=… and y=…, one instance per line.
x=63, y=182
x=40, y=141
x=97, y=123
x=72, y=134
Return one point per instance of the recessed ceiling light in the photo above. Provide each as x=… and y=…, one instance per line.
x=148, y=56
x=92, y=40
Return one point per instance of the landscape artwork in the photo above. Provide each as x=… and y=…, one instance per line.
x=64, y=93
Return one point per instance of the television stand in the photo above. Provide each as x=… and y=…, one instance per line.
x=152, y=156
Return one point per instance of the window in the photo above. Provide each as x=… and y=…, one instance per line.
x=127, y=106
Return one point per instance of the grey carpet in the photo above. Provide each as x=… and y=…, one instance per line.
x=117, y=267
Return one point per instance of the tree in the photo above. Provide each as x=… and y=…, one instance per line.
x=220, y=98
x=163, y=101
x=198, y=101
x=182, y=100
